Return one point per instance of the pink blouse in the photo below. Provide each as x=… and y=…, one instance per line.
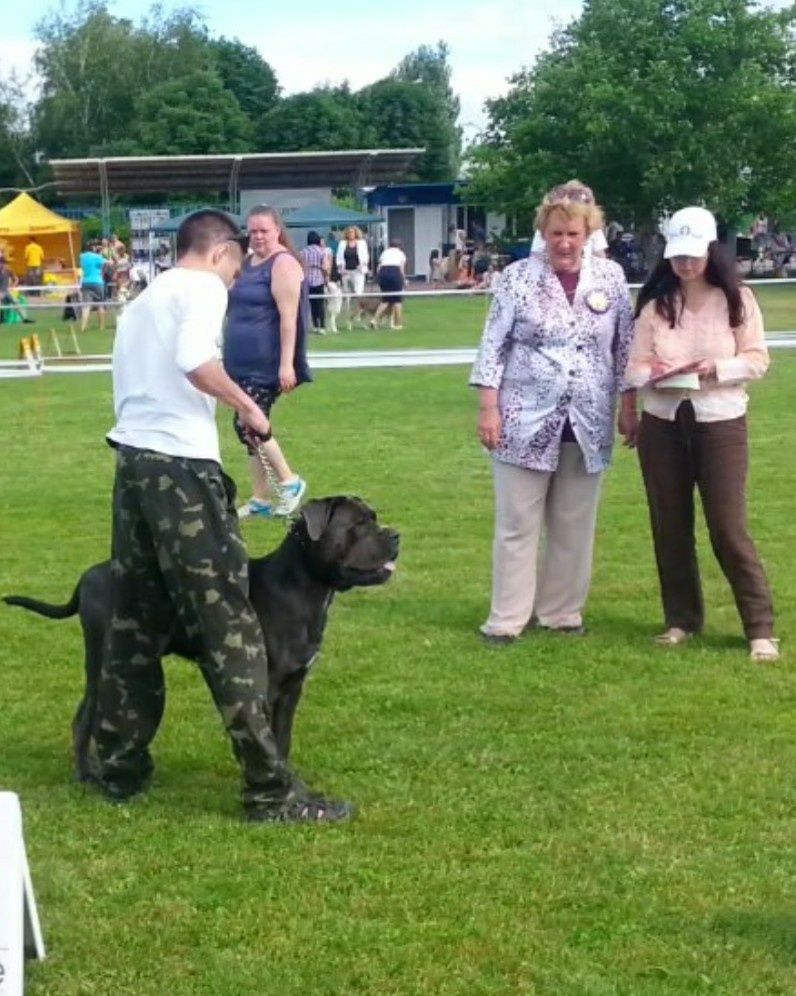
x=740, y=355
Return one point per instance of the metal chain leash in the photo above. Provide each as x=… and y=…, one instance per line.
x=275, y=486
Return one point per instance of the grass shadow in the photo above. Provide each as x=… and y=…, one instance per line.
x=776, y=932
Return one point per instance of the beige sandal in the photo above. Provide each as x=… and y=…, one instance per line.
x=764, y=649
x=673, y=637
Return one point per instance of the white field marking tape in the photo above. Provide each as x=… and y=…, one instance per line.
x=18, y=374
x=48, y=288
x=339, y=360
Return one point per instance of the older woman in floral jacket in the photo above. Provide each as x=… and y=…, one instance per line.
x=549, y=368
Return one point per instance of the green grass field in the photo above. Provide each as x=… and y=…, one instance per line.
x=564, y=817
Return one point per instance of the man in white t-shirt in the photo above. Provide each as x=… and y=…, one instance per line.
x=178, y=556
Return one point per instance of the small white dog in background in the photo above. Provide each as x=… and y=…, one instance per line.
x=334, y=304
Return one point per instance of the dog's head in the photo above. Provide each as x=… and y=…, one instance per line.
x=344, y=543
x=332, y=289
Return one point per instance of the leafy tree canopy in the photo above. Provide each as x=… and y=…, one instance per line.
x=428, y=67
x=191, y=115
x=247, y=76
x=94, y=67
x=320, y=119
x=162, y=85
x=404, y=115
x=15, y=153
x=655, y=103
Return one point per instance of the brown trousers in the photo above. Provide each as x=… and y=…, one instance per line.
x=674, y=457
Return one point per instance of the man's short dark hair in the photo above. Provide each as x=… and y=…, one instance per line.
x=204, y=229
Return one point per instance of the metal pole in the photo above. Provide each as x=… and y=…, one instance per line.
x=105, y=200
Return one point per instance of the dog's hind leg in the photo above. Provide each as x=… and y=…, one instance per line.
x=95, y=642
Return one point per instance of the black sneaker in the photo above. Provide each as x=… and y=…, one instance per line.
x=120, y=790
x=498, y=639
x=301, y=807
x=565, y=630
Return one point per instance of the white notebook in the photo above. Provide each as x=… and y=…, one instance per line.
x=689, y=381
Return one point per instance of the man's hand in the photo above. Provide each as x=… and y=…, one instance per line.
x=254, y=420
x=287, y=377
x=489, y=426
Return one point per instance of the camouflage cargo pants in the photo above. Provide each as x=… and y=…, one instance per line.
x=178, y=553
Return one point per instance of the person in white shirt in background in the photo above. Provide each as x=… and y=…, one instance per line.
x=178, y=556
x=353, y=261
x=391, y=274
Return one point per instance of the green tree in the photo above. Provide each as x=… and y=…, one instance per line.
x=190, y=115
x=246, y=75
x=406, y=115
x=655, y=103
x=325, y=118
x=87, y=78
x=428, y=67
x=93, y=66
x=17, y=167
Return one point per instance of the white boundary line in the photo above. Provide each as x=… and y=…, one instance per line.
x=337, y=360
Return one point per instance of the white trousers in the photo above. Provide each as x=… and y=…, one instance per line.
x=353, y=282
x=551, y=583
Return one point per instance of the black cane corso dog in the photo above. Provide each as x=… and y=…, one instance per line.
x=335, y=544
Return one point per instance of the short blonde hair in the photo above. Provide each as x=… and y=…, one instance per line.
x=575, y=201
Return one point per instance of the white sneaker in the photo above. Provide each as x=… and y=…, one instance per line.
x=256, y=508
x=290, y=496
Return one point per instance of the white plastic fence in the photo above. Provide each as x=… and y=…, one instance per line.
x=348, y=359
x=20, y=933
x=36, y=303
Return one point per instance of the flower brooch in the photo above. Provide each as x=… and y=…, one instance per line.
x=597, y=301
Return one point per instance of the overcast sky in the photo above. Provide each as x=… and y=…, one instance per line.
x=317, y=41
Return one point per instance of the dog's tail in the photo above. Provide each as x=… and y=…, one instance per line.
x=45, y=608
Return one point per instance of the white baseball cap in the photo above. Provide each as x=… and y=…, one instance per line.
x=689, y=232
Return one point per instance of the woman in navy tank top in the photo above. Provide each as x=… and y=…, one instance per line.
x=265, y=352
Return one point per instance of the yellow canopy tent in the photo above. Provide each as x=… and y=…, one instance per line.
x=59, y=237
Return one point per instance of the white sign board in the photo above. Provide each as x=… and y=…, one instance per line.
x=20, y=933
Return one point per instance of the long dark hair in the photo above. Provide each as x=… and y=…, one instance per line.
x=663, y=287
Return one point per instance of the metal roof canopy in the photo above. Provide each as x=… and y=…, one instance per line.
x=179, y=174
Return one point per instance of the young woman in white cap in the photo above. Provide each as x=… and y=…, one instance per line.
x=698, y=340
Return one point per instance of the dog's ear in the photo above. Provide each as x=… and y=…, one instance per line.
x=316, y=515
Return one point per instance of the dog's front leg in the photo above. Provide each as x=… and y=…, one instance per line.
x=283, y=710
